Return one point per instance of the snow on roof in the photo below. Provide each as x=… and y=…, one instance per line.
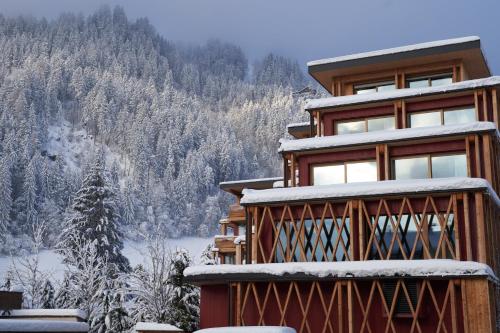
x=48, y=313
x=394, y=50
x=363, y=189
x=331, y=102
x=142, y=326
x=305, y=123
x=345, y=269
x=334, y=141
x=240, y=239
x=243, y=181
x=248, y=329
x=28, y=325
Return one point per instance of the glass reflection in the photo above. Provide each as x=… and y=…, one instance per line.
x=328, y=174
x=350, y=127
x=460, y=116
x=441, y=81
x=411, y=168
x=361, y=172
x=425, y=119
x=449, y=166
x=379, y=124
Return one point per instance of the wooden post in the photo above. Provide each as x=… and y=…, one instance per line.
x=238, y=304
x=293, y=177
x=468, y=241
x=494, y=99
x=485, y=105
x=318, y=124
x=311, y=124
x=487, y=161
x=479, y=305
x=476, y=105
x=254, y=235
x=285, y=171
x=350, y=306
x=481, y=228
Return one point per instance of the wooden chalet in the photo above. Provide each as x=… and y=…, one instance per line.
x=388, y=215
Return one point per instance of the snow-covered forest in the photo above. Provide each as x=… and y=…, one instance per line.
x=169, y=121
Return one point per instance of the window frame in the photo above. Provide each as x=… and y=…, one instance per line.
x=312, y=166
x=429, y=163
x=372, y=85
x=429, y=78
x=365, y=120
x=441, y=113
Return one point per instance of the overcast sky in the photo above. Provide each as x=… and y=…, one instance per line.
x=304, y=30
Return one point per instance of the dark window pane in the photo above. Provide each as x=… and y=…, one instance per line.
x=441, y=81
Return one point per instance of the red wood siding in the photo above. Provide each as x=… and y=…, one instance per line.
x=214, y=306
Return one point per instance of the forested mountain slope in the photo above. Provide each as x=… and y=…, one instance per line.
x=171, y=120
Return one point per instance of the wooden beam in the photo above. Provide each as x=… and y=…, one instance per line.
x=487, y=161
x=481, y=228
x=467, y=228
x=476, y=105
x=494, y=100
x=485, y=105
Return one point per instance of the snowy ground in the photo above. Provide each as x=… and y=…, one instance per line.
x=51, y=262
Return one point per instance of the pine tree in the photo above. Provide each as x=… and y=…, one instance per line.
x=207, y=256
x=184, y=306
x=95, y=220
x=62, y=298
x=47, y=301
x=5, y=196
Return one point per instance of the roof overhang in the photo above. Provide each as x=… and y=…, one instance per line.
x=236, y=186
x=466, y=49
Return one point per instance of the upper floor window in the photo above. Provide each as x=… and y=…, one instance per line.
x=429, y=80
x=374, y=87
x=420, y=167
x=242, y=230
x=351, y=172
x=443, y=117
x=365, y=125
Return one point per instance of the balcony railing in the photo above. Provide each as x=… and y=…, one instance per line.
x=457, y=225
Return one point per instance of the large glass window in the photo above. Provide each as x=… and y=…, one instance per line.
x=365, y=125
x=351, y=172
x=374, y=87
x=430, y=167
x=443, y=117
x=449, y=166
x=411, y=168
x=430, y=81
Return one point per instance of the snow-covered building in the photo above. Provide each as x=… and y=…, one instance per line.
x=387, y=217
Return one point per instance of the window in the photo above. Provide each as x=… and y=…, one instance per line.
x=229, y=231
x=443, y=117
x=430, y=81
x=351, y=172
x=242, y=230
x=374, y=87
x=421, y=167
x=402, y=306
x=365, y=125
x=229, y=259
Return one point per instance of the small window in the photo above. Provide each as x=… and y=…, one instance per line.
x=379, y=124
x=449, y=166
x=402, y=306
x=242, y=230
x=365, y=125
x=460, y=116
x=229, y=259
x=411, y=168
x=350, y=127
x=229, y=231
x=374, y=87
x=351, y=172
x=328, y=174
x=424, y=119
x=430, y=81
x=430, y=167
x=361, y=172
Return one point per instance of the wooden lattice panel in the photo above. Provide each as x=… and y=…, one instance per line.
x=353, y=306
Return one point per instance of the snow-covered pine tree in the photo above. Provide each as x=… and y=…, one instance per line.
x=207, y=256
x=185, y=303
x=62, y=298
x=47, y=300
x=5, y=196
x=95, y=220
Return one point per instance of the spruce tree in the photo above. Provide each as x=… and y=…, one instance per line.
x=184, y=307
x=47, y=300
x=95, y=220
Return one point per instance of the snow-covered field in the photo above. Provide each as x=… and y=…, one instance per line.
x=135, y=251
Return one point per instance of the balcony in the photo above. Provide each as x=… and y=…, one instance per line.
x=374, y=296
x=452, y=218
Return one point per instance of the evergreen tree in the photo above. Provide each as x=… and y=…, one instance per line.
x=47, y=301
x=5, y=196
x=207, y=256
x=95, y=220
x=185, y=302
x=62, y=298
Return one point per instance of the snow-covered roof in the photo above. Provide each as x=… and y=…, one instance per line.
x=364, y=189
x=302, y=124
x=335, y=141
x=341, y=270
x=240, y=239
x=48, y=313
x=28, y=326
x=142, y=326
x=331, y=102
x=254, y=180
x=394, y=50
x=248, y=329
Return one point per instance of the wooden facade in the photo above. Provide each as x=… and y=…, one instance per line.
x=458, y=224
